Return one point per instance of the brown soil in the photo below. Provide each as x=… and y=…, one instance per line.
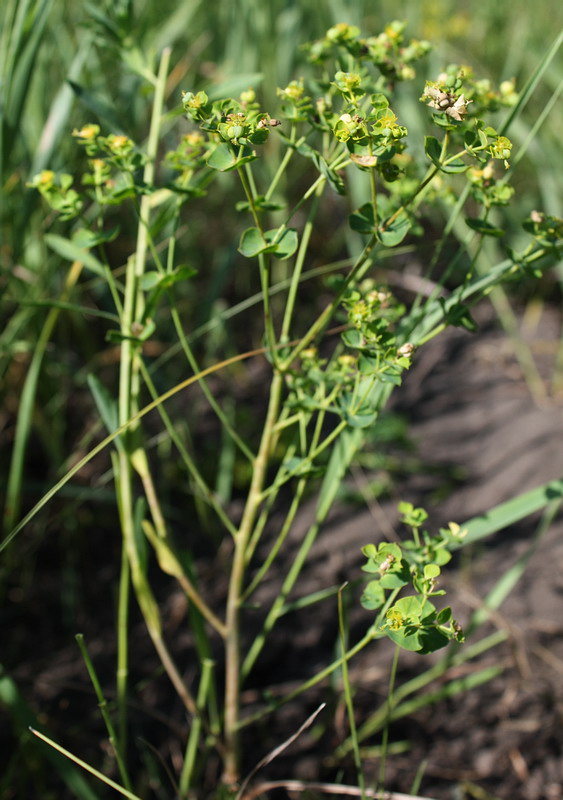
x=472, y=416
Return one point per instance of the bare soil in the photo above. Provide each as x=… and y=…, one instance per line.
x=480, y=438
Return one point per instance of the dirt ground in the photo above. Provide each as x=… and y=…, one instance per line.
x=472, y=417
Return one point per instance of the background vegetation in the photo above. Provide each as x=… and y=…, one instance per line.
x=63, y=64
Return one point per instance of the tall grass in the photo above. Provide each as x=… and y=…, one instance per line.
x=65, y=64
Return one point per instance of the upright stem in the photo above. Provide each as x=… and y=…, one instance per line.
x=127, y=403
x=232, y=644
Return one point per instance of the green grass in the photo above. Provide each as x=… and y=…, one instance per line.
x=64, y=64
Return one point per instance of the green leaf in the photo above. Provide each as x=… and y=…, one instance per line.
x=181, y=273
x=150, y=280
x=431, y=639
x=368, y=365
x=361, y=419
x=483, y=227
x=407, y=638
x=433, y=149
x=362, y=220
x=261, y=203
x=454, y=167
x=353, y=338
x=320, y=163
x=394, y=580
x=252, y=243
x=379, y=102
x=508, y=513
x=303, y=466
x=459, y=316
x=105, y=403
x=167, y=560
x=411, y=607
x=72, y=252
x=395, y=232
x=287, y=243
x=88, y=239
x=164, y=280
x=444, y=616
x=103, y=109
x=373, y=596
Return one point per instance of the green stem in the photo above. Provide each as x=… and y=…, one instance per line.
x=195, y=731
x=320, y=676
x=127, y=404
x=122, y=674
x=284, y=162
x=263, y=263
x=225, y=422
x=286, y=527
x=232, y=646
x=103, y=706
x=299, y=262
x=348, y=697
x=324, y=317
x=316, y=451
x=388, y=707
x=208, y=495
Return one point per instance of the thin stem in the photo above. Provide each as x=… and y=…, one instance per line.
x=225, y=422
x=325, y=315
x=348, y=695
x=389, y=706
x=316, y=451
x=85, y=766
x=288, y=155
x=320, y=676
x=195, y=731
x=247, y=181
x=286, y=527
x=299, y=261
x=208, y=495
x=103, y=706
x=122, y=674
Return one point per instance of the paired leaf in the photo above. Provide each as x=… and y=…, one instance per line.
x=253, y=243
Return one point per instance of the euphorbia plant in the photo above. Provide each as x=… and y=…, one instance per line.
x=323, y=396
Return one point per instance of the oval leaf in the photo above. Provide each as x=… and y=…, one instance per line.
x=286, y=245
x=362, y=220
x=252, y=243
x=395, y=232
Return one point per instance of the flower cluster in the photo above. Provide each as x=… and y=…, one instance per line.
x=389, y=52
x=237, y=122
x=456, y=89
x=57, y=190
x=296, y=106
x=488, y=190
x=413, y=621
